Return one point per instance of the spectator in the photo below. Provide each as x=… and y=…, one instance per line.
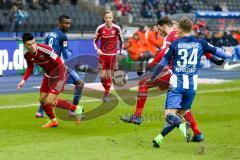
x=186, y=6
x=147, y=11
x=123, y=6
x=34, y=5
x=155, y=38
x=17, y=18
x=217, y=7
x=5, y=4
x=74, y=2
x=43, y=4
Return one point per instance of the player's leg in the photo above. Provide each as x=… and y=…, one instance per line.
x=102, y=65
x=79, y=84
x=162, y=81
x=143, y=87
x=48, y=108
x=110, y=66
x=187, y=103
x=40, y=112
x=172, y=118
x=44, y=89
x=198, y=136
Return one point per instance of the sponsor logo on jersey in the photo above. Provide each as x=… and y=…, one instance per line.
x=41, y=57
x=65, y=43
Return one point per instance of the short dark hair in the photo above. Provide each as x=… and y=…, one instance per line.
x=27, y=37
x=165, y=21
x=62, y=17
x=185, y=24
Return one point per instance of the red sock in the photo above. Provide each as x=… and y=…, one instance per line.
x=49, y=110
x=108, y=86
x=103, y=81
x=190, y=118
x=65, y=105
x=141, y=99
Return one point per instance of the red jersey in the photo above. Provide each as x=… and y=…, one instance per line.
x=171, y=37
x=109, y=38
x=45, y=57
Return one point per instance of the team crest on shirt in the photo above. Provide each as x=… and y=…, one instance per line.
x=113, y=32
x=41, y=57
x=65, y=43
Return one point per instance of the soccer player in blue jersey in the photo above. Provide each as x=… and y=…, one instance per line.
x=185, y=54
x=58, y=40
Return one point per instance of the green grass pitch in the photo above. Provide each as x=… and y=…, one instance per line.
x=216, y=109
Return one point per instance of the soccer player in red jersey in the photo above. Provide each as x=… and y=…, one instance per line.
x=54, y=78
x=109, y=34
x=167, y=29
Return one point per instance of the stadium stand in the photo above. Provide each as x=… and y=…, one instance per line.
x=44, y=19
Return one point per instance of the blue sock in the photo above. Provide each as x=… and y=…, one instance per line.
x=40, y=109
x=167, y=129
x=77, y=94
x=173, y=119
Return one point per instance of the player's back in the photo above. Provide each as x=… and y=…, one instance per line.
x=187, y=52
x=56, y=39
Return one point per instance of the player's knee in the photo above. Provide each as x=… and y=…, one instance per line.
x=42, y=100
x=79, y=84
x=49, y=101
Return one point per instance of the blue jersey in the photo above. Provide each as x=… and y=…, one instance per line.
x=58, y=40
x=186, y=54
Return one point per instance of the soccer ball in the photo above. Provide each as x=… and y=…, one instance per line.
x=119, y=78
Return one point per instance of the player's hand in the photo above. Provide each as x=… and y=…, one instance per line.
x=21, y=84
x=99, y=51
x=229, y=51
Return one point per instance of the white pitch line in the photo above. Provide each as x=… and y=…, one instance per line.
x=99, y=100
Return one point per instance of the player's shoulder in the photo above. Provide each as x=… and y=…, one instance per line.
x=44, y=48
x=172, y=36
x=100, y=26
x=116, y=26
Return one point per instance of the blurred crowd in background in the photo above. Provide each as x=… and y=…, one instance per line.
x=151, y=7
x=147, y=41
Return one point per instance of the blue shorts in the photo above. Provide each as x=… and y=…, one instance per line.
x=180, y=99
x=73, y=77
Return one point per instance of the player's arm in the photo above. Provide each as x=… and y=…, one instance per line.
x=66, y=52
x=27, y=73
x=163, y=62
x=159, y=56
x=213, y=59
x=120, y=37
x=95, y=41
x=216, y=51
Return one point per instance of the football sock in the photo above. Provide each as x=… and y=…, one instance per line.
x=190, y=118
x=141, y=99
x=77, y=94
x=167, y=129
x=173, y=119
x=40, y=109
x=103, y=81
x=49, y=110
x=65, y=105
x=108, y=86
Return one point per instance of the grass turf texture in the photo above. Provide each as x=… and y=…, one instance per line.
x=106, y=137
